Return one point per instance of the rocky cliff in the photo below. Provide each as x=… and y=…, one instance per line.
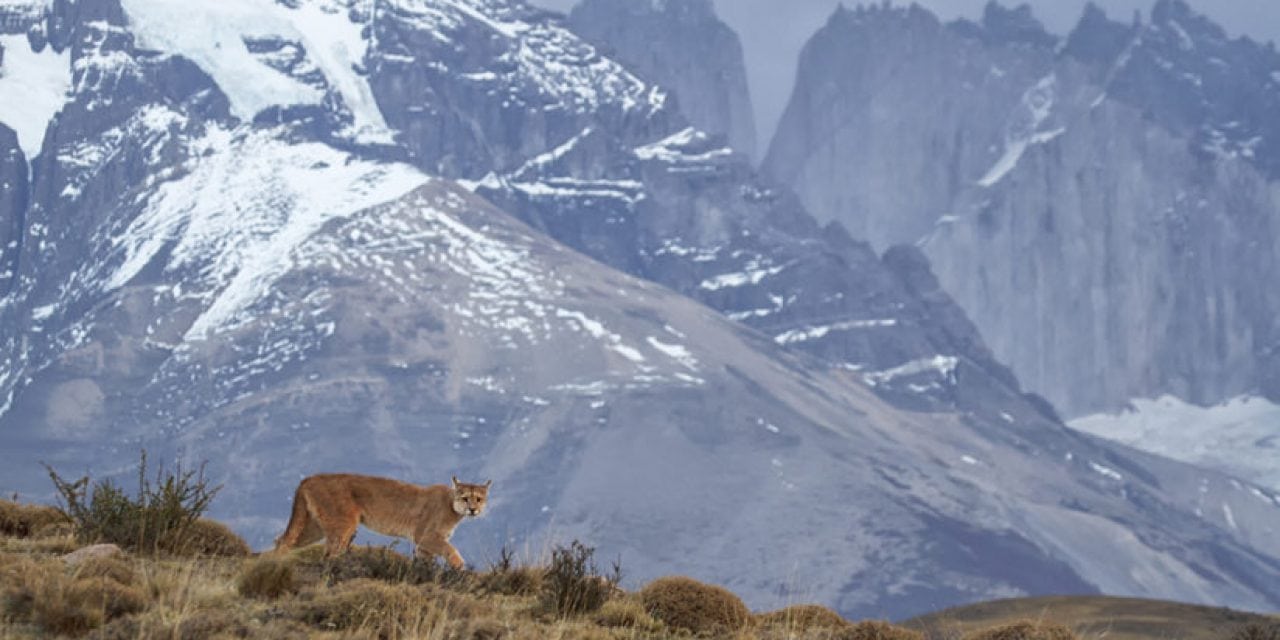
x=1105, y=206
x=683, y=46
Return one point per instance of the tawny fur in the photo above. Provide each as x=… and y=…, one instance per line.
x=331, y=506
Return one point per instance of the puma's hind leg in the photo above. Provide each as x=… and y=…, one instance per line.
x=302, y=529
x=338, y=525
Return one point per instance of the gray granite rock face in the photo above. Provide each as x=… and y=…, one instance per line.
x=13, y=204
x=1104, y=208
x=683, y=46
x=278, y=296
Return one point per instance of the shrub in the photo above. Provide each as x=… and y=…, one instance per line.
x=802, y=617
x=156, y=520
x=685, y=603
x=266, y=578
x=27, y=520
x=1024, y=630
x=1257, y=631
x=572, y=583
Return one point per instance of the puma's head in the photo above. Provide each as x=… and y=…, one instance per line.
x=469, y=499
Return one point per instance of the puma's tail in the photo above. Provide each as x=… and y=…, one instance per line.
x=298, y=522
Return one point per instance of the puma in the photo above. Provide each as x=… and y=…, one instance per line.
x=331, y=506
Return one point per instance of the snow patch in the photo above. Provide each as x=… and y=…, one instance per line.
x=814, y=333
x=1035, y=107
x=675, y=148
x=1105, y=471
x=43, y=312
x=753, y=274
x=240, y=242
x=33, y=87
x=1240, y=436
x=212, y=34
x=944, y=366
x=676, y=352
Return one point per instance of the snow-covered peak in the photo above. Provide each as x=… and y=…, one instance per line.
x=217, y=37
x=528, y=54
x=34, y=87
x=215, y=222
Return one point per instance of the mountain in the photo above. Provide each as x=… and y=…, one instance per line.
x=309, y=236
x=683, y=46
x=1103, y=206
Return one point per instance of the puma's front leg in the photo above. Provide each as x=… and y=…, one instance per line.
x=436, y=545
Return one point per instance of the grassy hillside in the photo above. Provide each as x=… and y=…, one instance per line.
x=1096, y=617
x=170, y=574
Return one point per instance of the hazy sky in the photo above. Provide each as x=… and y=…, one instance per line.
x=773, y=31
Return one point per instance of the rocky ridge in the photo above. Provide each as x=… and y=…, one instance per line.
x=1103, y=206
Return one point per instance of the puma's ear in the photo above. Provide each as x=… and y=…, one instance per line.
x=455, y=481
x=487, y=483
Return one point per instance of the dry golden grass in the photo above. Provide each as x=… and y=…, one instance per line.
x=1258, y=631
x=379, y=594
x=205, y=538
x=1094, y=617
x=1024, y=630
x=28, y=520
x=627, y=613
x=266, y=578
x=877, y=630
x=513, y=581
x=115, y=569
x=802, y=617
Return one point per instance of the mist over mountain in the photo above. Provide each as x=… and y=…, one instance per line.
x=421, y=238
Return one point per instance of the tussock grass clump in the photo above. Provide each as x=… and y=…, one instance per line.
x=386, y=565
x=1024, y=630
x=572, y=584
x=211, y=624
x=877, y=630
x=507, y=578
x=627, y=613
x=384, y=610
x=29, y=520
x=803, y=617
x=697, y=607
x=266, y=579
x=43, y=594
x=110, y=568
x=157, y=519
x=1257, y=631
x=106, y=595
x=208, y=538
